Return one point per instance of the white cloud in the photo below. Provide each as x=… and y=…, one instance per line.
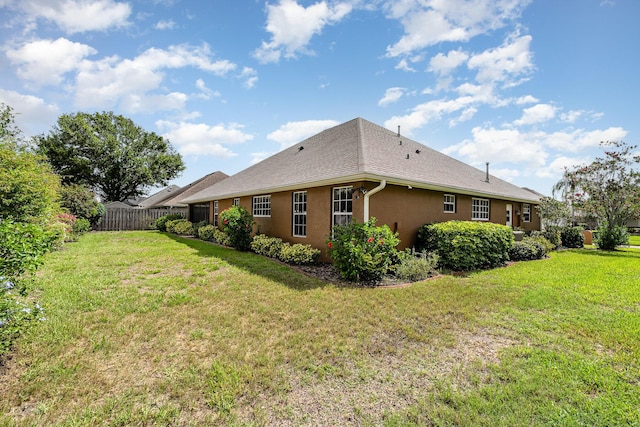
x=47, y=61
x=294, y=132
x=250, y=77
x=203, y=139
x=445, y=64
x=292, y=26
x=580, y=139
x=427, y=23
x=500, y=145
x=430, y=111
x=205, y=92
x=77, y=16
x=110, y=81
x=404, y=66
x=391, y=95
x=557, y=166
x=165, y=24
x=32, y=114
x=528, y=99
x=537, y=114
x=502, y=64
x=258, y=157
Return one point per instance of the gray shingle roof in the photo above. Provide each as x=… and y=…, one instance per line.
x=360, y=150
x=192, y=188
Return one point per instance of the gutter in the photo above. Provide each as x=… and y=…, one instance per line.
x=370, y=193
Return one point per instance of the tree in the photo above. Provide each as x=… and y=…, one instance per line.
x=81, y=202
x=553, y=212
x=608, y=189
x=29, y=190
x=110, y=154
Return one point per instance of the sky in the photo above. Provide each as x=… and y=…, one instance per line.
x=530, y=86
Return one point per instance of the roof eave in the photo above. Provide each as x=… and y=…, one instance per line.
x=361, y=177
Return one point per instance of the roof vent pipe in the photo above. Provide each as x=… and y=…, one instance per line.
x=487, y=178
x=398, y=130
x=370, y=193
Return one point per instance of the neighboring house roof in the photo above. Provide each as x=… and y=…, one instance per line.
x=361, y=150
x=158, y=197
x=175, y=199
x=118, y=205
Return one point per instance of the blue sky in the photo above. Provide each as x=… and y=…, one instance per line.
x=530, y=86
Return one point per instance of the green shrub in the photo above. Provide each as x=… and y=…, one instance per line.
x=161, y=223
x=298, y=254
x=237, y=223
x=170, y=225
x=81, y=226
x=198, y=225
x=413, y=268
x=81, y=202
x=206, y=232
x=470, y=245
x=363, y=252
x=426, y=239
x=530, y=248
x=22, y=246
x=15, y=312
x=609, y=237
x=183, y=228
x=552, y=233
x=221, y=237
x=572, y=237
x=267, y=246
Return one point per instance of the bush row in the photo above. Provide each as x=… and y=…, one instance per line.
x=274, y=247
x=568, y=237
x=467, y=245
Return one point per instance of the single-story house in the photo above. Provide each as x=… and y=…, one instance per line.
x=358, y=170
x=175, y=198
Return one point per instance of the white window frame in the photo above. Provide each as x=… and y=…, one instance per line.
x=480, y=209
x=449, y=202
x=342, y=205
x=215, y=213
x=262, y=206
x=526, y=212
x=236, y=201
x=299, y=214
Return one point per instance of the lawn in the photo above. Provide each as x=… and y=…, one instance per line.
x=634, y=240
x=145, y=328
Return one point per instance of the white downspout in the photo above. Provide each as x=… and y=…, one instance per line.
x=370, y=193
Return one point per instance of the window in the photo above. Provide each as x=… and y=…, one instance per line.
x=480, y=209
x=342, y=205
x=449, y=203
x=215, y=213
x=300, y=214
x=236, y=201
x=261, y=205
x=199, y=212
x=526, y=212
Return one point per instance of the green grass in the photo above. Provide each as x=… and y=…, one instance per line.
x=145, y=328
x=634, y=240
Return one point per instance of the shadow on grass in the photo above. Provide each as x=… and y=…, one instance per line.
x=252, y=263
x=622, y=252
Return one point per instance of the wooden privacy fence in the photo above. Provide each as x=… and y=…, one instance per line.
x=118, y=219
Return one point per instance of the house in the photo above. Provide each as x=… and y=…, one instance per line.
x=358, y=170
x=157, y=197
x=175, y=198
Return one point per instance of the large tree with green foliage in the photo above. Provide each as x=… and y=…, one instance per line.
x=110, y=154
x=608, y=189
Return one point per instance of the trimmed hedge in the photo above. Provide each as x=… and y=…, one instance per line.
x=274, y=247
x=470, y=245
x=161, y=223
x=572, y=237
x=530, y=248
x=206, y=232
x=183, y=228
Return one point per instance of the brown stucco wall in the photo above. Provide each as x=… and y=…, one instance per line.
x=402, y=209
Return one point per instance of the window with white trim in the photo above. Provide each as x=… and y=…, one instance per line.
x=300, y=213
x=262, y=206
x=236, y=201
x=449, y=203
x=215, y=213
x=342, y=205
x=526, y=212
x=480, y=209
